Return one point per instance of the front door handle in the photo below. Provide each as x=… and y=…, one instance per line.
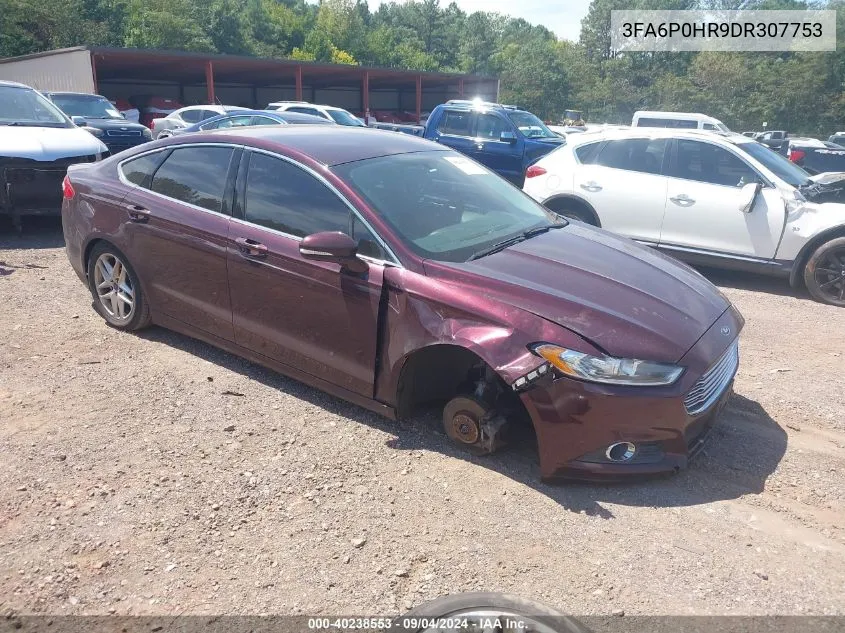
x=591, y=185
x=683, y=200
x=251, y=248
x=137, y=213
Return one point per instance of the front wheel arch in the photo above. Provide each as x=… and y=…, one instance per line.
x=796, y=275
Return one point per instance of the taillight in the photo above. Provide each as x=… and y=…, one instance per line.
x=67, y=189
x=534, y=171
x=796, y=154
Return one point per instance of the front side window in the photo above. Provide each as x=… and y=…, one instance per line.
x=635, y=154
x=712, y=164
x=286, y=198
x=368, y=245
x=779, y=165
x=489, y=126
x=264, y=120
x=455, y=123
x=310, y=111
x=25, y=107
x=342, y=117
x=234, y=121
x=442, y=205
x=195, y=175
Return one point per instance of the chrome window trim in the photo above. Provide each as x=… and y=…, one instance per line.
x=333, y=189
x=122, y=178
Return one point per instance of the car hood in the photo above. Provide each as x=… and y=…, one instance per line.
x=47, y=143
x=626, y=299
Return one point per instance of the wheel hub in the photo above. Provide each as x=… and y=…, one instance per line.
x=466, y=428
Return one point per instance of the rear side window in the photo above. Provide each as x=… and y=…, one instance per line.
x=636, y=154
x=310, y=111
x=139, y=171
x=587, y=153
x=455, y=123
x=195, y=175
x=191, y=116
x=283, y=197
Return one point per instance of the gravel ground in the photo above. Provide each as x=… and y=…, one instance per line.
x=133, y=482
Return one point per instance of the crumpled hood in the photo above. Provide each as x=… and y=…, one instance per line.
x=627, y=299
x=47, y=143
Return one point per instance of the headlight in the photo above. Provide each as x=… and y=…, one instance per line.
x=607, y=369
x=94, y=130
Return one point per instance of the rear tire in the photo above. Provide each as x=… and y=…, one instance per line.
x=116, y=289
x=824, y=273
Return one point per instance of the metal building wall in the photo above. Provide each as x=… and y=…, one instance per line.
x=70, y=71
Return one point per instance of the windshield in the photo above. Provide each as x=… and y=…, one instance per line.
x=530, y=125
x=88, y=106
x=780, y=166
x=344, y=118
x=24, y=106
x=443, y=205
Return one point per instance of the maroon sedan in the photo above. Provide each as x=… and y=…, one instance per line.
x=395, y=273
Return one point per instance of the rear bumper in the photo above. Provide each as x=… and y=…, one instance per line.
x=576, y=421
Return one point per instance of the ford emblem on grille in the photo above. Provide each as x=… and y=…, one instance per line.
x=726, y=331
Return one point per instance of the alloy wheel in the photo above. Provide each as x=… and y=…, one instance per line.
x=114, y=287
x=829, y=274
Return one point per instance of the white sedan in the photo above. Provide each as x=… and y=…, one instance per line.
x=708, y=198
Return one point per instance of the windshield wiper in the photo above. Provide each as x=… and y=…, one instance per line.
x=516, y=239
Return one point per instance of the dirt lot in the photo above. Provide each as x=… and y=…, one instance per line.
x=132, y=483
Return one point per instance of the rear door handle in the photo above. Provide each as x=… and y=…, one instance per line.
x=591, y=185
x=683, y=200
x=251, y=248
x=137, y=213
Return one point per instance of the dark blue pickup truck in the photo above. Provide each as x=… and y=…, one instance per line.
x=504, y=138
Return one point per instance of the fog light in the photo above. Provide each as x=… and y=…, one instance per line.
x=621, y=452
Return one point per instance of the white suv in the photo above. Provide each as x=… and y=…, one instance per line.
x=708, y=198
x=336, y=115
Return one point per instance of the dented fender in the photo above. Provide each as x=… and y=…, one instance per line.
x=421, y=312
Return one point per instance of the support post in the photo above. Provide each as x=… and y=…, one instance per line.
x=209, y=81
x=299, y=83
x=419, y=98
x=365, y=96
x=461, y=88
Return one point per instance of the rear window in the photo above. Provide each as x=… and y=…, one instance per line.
x=671, y=123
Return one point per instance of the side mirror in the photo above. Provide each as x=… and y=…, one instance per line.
x=79, y=120
x=332, y=246
x=748, y=195
x=507, y=137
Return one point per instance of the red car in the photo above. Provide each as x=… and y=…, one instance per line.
x=393, y=272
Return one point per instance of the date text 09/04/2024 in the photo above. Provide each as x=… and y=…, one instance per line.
x=414, y=624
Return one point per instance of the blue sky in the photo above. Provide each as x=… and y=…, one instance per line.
x=561, y=16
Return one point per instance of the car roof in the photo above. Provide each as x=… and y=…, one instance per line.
x=657, y=132
x=329, y=144
x=15, y=84
x=307, y=105
x=75, y=94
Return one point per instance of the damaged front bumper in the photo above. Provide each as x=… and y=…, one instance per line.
x=32, y=187
x=589, y=431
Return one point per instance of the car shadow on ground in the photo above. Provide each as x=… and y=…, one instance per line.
x=38, y=232
x=743, y=449
x=751, y=281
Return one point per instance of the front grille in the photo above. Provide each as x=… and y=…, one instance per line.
x=31, y=184
x=124, y=133
x=712, y=384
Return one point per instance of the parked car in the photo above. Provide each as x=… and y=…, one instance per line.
x=814, y=156
x=99, y=117
x=37, y=143
x=505, y=138
x=129, y=112
x=773, y=139
x=330, y=113
x=247, y=118
x=153, y=107
x=677, y=120
x=419, y=276
x=838, y=138
x=184, y=117
x=708, y=198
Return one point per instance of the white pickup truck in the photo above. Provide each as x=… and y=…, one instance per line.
x=37, y=143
